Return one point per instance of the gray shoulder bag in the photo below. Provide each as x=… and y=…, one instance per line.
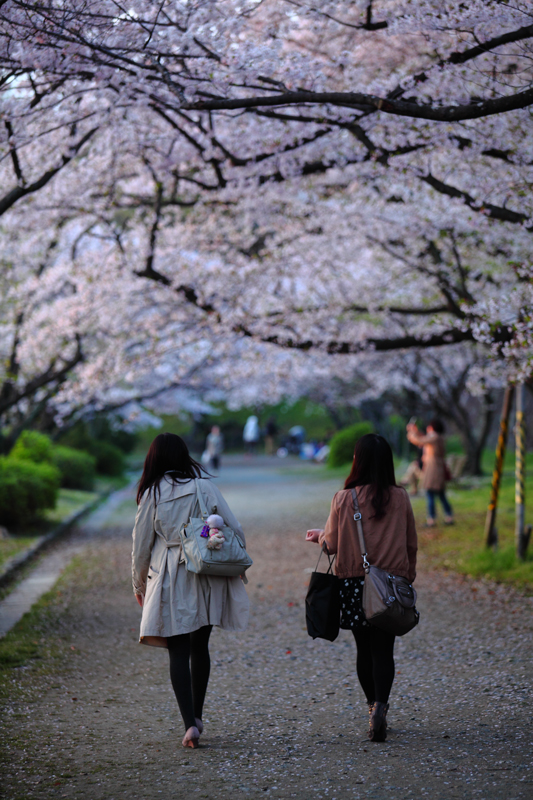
x=230, y=561
x=388, y=600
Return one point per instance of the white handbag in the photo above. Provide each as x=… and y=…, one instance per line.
x=230, y=561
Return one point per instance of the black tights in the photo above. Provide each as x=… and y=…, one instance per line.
x=375, y=662
x=189, y=672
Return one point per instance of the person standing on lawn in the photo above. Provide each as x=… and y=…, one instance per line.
x=179, y=608
x=434, y=469
x=271, y=430
x=390, y=536
x=251, y=435
x=214, y=446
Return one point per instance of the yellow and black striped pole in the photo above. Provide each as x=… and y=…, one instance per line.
x=520, y=469
x=491, y=536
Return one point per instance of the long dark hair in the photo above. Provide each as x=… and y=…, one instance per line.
x=373, y=466
x=168, y=453
x=437, y=425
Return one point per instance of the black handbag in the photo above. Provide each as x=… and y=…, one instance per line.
x=322, y=603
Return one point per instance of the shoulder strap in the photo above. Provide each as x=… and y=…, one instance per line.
x=359, y=525
x=201, y=503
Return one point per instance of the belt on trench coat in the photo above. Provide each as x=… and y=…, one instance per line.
x=168, y=545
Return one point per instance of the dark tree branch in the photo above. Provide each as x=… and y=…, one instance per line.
x=518, y=35
x=18, y=192
x=149, y=266
x=417, y=311
x=448, y=337
x=10, y=395
x=489, y=209
x=475, y=109
x=367, y=25
x=14, y=155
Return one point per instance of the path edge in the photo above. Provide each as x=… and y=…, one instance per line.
x=21, y=559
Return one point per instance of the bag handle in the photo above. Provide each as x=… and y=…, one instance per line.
x=359, y=525
x=324, y=549
x=203, y=507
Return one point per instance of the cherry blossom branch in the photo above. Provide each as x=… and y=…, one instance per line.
x=387, y=344
x=18, y=192
x=518, y=35
x=367, y=25
x=475, y=109
x=489, y=209
x=10, y=396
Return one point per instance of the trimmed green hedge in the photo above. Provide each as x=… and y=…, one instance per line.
x=342, y=444
x=109, y=459
x=33, y=446
x=78, y=469
x=26, y=489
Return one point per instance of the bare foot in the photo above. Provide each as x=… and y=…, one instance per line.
x=191, y=738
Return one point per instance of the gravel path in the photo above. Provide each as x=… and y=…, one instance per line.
x=285, y=717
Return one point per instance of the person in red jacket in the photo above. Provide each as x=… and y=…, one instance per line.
x=391, y=540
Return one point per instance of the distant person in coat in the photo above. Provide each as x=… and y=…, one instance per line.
x=271, y=430
x=251, y=434
x=434, y=470
x=179, y=608
x=214, y=446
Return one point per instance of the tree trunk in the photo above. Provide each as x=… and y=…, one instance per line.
x=475, y=443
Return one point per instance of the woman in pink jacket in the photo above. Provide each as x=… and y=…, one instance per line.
x=391, y=541
x=434, y=468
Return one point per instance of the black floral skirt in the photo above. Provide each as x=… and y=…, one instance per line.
x=352, y=614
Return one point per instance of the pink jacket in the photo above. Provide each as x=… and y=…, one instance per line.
x=433, y=463
x=391, y=541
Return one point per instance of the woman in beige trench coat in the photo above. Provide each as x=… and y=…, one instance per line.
x=179, y=608
x=433, y=467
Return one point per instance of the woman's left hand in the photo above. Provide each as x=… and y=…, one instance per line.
x=139, y=599
x=313, y=534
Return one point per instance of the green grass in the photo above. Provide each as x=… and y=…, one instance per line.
x=111, y=483
x=37, y=642
x=13, y=546
x=28, y=641
x=69, y=501
x=462, y=548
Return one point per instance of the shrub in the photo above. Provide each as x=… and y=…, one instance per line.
x=26, y=489
x=343, y=443
x=82, y=434
x=77, y=468
x=32, y=446
x=109, y=459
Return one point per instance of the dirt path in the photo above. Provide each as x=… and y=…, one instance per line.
x=96, y=718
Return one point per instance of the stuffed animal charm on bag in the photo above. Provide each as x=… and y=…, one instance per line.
x=216, y=537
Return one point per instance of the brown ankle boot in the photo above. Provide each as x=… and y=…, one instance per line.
x=377, y=731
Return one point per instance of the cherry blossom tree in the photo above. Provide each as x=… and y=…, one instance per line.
x=270, y=179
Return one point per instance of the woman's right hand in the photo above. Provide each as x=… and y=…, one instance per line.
x=313, y=534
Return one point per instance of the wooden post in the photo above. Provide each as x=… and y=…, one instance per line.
x=491, y=534
x=520, y=473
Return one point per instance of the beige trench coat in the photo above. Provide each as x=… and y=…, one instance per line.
x=177, y=601
x=433, y=464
